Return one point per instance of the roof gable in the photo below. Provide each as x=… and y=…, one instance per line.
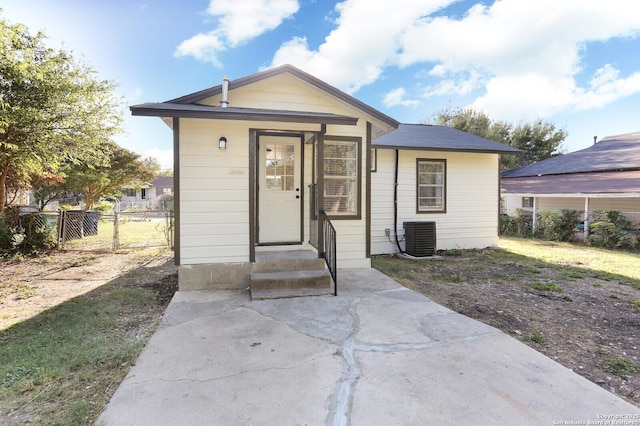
x=439, y=138
x=197, y=98
x=621, y=152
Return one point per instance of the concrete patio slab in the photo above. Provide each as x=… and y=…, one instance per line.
x=377, y=354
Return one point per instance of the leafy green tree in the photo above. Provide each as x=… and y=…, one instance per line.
x=53, y=110
x=153, y=165
x=123, y=167
x=538, y=140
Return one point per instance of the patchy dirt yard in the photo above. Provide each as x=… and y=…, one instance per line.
x=29, y=285
x=585, y=319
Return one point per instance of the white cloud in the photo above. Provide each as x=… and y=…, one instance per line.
x=396, y=97
x=236, y=23
x=240, y=21
x=606, y=87
x=204, y=47
x=520, y=58
x=366, y=39
x=464, y=84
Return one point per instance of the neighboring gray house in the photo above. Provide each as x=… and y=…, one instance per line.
x=146, y=195
x=603, y=176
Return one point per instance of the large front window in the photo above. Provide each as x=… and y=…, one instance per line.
x=431, y=186
x=341, y=177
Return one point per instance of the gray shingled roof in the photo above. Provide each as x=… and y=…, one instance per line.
x=163, y=181
x=621, y=152
x=438, y=138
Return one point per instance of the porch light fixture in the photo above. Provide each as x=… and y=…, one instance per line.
x=222, y=143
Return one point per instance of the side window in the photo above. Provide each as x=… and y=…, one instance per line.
x=527, y=202
x=342, y=178
x=431, y=186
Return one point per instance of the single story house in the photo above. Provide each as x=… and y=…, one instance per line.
x=279, y=162
x=604, y=176
x=146, y=195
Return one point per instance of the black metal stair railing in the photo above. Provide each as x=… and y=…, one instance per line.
x=329, y=248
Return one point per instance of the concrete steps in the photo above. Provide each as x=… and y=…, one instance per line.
x=285, y=274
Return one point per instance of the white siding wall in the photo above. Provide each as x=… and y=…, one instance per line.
x=214, y=192
x=214, y=184
x=471, y=220
x=511, y=203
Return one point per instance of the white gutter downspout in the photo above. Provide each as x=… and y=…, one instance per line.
x=225, y=92
x=534, y=225
x=586, y=217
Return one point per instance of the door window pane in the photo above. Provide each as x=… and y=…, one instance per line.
x=279, y=170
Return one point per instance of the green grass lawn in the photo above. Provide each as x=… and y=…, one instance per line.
x=131, y=233
x=62, y=366
x=593, y=259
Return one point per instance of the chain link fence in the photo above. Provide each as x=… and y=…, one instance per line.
x=78, y=230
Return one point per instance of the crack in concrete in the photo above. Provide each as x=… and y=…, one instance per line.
x=397, y=347
x=229, y=376
x=342, y=398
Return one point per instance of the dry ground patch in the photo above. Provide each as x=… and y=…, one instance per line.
x=71, y=326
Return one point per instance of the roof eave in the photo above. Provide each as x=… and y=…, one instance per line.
x=226, y=114
x=426, y=148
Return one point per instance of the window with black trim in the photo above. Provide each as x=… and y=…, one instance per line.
x=342, y=177
x=431, y=186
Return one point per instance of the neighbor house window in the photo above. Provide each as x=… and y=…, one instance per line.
x=527, y=202
x=342, y=177
x=143, y=193
x=432, y=186
x=131, y=192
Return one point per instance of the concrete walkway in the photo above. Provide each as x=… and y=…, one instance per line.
x=378, y=354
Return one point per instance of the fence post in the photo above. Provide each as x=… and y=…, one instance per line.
x=116, y=233
x=60, y=236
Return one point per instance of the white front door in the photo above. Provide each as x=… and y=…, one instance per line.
x=279, y=190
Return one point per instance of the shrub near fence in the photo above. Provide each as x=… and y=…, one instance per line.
x=611, y=229
x=27, y=232
x=558, y=225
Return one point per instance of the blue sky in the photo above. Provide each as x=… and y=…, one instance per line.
x=575, y=63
